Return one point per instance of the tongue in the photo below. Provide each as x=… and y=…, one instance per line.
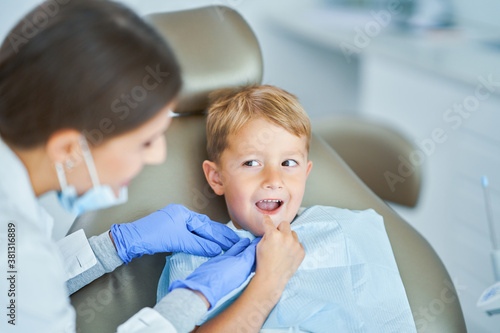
x=267, y=205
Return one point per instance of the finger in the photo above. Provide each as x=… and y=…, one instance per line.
x=238, y=247
x=249, y=252
x=251, y=247
x=284, y=226
x=201, y=247
x=216, y=232
x=268, y=224
x=252, y=253
x=255, y=241
x=294, y=234
x=224, y=234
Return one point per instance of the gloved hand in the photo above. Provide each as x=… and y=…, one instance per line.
x=173, y=228
x=220, y=275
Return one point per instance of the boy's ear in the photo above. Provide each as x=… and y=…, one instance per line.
x=213, y=176
x=309, y=167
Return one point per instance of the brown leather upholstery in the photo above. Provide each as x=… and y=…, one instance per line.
x=113, y=298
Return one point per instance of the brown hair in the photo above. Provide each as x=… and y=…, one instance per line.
x=231, y=109
x=89, y=65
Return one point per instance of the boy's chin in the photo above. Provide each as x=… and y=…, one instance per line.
x=277, y=220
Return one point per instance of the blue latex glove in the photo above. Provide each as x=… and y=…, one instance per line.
x=220, y=275
x=173, y=228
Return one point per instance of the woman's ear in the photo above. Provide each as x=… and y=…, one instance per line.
x=63, y=147
x=214, y=177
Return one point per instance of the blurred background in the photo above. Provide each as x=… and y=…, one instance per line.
x=430, y=69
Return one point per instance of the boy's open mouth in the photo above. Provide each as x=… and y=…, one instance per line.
x=269, y=206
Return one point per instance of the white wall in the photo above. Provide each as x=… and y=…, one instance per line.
x=481, y=15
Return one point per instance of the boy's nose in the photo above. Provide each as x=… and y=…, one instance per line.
x=273, y=179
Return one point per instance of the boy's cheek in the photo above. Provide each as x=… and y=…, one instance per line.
x=257, y=228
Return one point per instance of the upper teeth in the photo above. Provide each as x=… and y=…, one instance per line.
x=270, y=200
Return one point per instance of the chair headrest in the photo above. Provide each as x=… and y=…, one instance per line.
x=215, y=48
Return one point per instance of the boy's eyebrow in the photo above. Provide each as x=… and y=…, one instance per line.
x=248, y=152
x=286, y=153
x=294, y=152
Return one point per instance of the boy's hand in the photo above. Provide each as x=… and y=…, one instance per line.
x=173, y=228
x=279, y=253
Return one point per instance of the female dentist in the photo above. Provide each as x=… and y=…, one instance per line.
x=85, y=92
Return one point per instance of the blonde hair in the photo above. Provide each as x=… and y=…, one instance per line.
x=230, y=109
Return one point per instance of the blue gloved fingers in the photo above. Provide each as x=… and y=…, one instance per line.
x=219, y=233
x=118, y=240
x=220, y=275
x=180, y=219
x=202, y=226
x=250, y=250
x=201, y=247
x=256, y=241
x=238, y=247
x=249, y=253
x=224, y=236
x=123, y=237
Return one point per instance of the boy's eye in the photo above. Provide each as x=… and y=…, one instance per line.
x=289, y=163
x=251, y=163
x=147, y=144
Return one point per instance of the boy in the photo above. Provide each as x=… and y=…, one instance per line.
x=258, y=144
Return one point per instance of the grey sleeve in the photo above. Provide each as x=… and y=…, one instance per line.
x=182, y=308
x=107, y=261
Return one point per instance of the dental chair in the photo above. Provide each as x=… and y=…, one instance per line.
x=216, y=48
x=374, y=152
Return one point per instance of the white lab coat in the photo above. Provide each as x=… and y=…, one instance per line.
x=33, y=283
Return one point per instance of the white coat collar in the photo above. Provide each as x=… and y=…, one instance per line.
x=17, y=192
